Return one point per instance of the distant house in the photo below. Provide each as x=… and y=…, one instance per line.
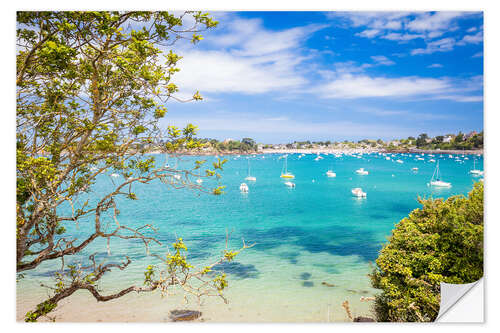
x=394, y=143
x=227, y=140
x=469, y=135
x=447, y=138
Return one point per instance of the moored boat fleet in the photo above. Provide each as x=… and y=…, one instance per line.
x=435, y=181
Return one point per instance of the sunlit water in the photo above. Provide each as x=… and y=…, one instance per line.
x=316, y=232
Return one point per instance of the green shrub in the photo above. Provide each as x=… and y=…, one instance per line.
x=440, y=242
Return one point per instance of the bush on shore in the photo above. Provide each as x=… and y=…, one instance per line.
x=440, y=242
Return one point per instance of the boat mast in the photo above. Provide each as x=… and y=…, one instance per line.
x=432, y=179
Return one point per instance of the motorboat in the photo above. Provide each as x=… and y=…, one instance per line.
x=330, y=173
x=244, y=187
x=361, y=171
x=358, y=192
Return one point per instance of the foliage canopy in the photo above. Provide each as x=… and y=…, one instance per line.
x=440, y=242
x=91, y=90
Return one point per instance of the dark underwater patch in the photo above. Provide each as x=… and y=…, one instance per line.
x=308, y=284
x=239, y=270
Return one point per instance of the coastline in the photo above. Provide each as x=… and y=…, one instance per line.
x=326, y=151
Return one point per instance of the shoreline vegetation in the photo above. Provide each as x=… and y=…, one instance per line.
x=321, y=151
x=464, y=144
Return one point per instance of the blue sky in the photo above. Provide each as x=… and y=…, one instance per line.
x=284, y=76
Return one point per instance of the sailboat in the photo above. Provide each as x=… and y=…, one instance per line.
x=476, y=172
x=330, y=173
x=176, y=176
x=250, y=178
x=286, y=174
x=436, y=181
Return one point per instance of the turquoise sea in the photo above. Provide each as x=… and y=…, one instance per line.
x=313, y=233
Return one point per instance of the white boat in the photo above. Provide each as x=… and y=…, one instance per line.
x=399, y=161
x=420, y=159
x=244, y=187
x=358, y=192
x=361, y=171
x=388, y=158
x=290, y=184
x=177, y=176
x=249, y=178
x=199, y=180
x=432, y=160
x=115, y=175
x=436, y=181
x=476, y=172
x=414, y=169
x=284, y=171
x=330, y=173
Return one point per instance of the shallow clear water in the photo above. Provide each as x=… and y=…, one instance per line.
x=313, y=233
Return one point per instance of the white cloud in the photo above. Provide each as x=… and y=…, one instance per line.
x=461, y=98
x=435, y=66
x=477, y=55
x=218, y=71
x=245, y=58
x=472, y=39
x=382, y=60
x=370, y=33
x=441, y=45
x=407, y=113
x=405, y=26
x=439, y=21
x=379, y=20
x=248, y=123
x=360, y=86
x=401, y=37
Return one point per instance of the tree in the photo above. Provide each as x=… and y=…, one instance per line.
x=91, y=89
x=438, y=139
x=249, y=141
x=422, y=140
x=459, y=138
x=440, y=242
